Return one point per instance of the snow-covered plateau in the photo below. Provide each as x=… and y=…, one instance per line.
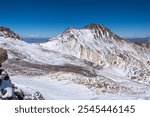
x=87, y=63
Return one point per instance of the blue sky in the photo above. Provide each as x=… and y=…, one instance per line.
x=44, y=18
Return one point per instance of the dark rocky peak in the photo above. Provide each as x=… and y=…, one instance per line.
x=94, y=27
x=7, y=33
x=101, y=31
x=99, y=28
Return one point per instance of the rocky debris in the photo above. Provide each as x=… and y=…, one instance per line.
x=7, y=33
x=102, y=84
x=38, y=96
x=21, y=67
x=19, y=94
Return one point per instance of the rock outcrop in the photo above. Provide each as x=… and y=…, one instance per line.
x=3, y=55
x=7, y=33
x=8, y=90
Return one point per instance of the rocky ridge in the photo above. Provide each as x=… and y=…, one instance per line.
x=7, y=33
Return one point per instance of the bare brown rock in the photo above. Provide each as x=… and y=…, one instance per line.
x=3, y=55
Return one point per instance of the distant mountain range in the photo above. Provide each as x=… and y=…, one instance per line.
x=143, y=40
x=35, y=40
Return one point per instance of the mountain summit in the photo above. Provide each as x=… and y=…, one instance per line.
x=99, y=45
x=97, y=27
x=101, y=31
x=98, y=32
x=94, y=26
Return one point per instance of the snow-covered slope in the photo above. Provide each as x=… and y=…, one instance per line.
x=53, y=89
x=97, y=44
x=22, y=54
x=92, y=56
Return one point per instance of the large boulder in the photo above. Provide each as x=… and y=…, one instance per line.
x=3, y=55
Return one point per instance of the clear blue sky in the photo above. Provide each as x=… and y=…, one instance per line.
x=51, y=17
